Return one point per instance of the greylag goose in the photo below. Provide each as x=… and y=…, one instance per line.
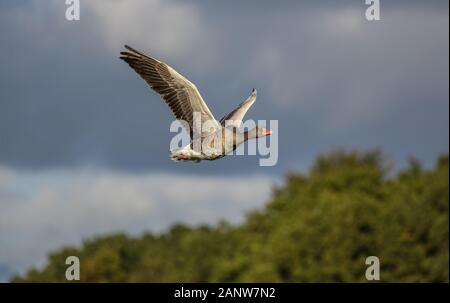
x=210, y=139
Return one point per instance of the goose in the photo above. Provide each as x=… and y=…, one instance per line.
x=212, y=142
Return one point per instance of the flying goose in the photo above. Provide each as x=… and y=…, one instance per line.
x=210, y=139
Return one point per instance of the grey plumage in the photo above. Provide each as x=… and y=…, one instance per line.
x=181, y=95
x=184, y=99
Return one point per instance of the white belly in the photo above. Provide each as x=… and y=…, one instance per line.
x=211, y=148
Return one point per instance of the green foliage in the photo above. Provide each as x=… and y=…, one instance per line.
x=319, y=227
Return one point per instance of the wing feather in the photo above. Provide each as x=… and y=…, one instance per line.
x=235, y=117
x=181, y=95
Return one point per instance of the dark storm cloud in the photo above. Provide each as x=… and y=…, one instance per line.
x=331, y=78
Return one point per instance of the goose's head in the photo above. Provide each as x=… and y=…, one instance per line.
x=262, y=132
x=258, y=132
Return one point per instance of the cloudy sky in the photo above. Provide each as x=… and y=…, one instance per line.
x=84, y=142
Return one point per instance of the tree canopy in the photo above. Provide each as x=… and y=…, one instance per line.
x=318, y=227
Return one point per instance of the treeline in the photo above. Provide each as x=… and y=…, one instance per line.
x=316, y=227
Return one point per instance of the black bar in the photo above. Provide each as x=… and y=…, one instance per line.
x=226, y=292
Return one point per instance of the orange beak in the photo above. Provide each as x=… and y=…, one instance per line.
x=266, y=132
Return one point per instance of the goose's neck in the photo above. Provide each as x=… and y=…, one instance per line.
x=251, y=134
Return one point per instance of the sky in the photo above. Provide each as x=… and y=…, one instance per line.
x=84, y=142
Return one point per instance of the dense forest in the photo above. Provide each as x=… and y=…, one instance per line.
x=316, y=227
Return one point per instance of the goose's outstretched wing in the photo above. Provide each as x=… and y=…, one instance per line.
x=235, y=117
x=180, y=94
